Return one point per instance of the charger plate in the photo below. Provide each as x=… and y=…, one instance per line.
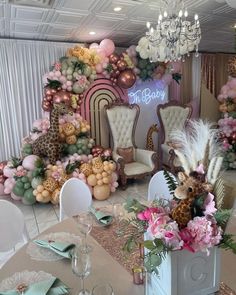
x=24, y=277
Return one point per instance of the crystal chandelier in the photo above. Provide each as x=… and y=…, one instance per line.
x=174, y=36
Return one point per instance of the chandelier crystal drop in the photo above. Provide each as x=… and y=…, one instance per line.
x=173, y=37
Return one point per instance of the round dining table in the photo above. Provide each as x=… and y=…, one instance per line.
x=105, y=269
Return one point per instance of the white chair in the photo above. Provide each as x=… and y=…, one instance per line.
x=12, y=229
x=172, y=115
x=122, y=120
x=158, y=187
x=75, y=197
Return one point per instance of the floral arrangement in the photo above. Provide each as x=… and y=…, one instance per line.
x=191, y=220
x=227, y=124
x=164, y=234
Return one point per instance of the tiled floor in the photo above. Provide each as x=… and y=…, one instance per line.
x=39, y=217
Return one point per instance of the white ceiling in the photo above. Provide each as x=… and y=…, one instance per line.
x=72, y=20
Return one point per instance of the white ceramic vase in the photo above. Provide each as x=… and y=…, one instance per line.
x=186, y=273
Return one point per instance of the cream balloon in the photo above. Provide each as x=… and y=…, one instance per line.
x=92, y=180
x=101, y=192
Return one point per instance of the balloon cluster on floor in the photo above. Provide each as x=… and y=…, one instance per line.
x=227, y=123
x=32, y=178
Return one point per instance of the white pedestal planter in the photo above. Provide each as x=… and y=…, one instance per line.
x=186, y=273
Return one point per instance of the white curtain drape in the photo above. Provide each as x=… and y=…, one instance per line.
x=22, y=65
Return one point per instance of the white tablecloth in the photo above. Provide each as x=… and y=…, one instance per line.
x=104, y=267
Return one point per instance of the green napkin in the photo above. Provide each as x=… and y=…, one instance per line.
x=51, y=286
x=60, y=248
x=102, y=217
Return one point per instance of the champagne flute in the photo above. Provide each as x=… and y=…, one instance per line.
x=118, y=213
x=104, y=289
x=81, y=267
x=85, y=223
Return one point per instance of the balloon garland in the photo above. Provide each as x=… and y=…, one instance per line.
x=31, y=178
x=227, y=124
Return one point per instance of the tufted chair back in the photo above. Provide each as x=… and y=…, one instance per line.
x=122, y=121
x=173, y=117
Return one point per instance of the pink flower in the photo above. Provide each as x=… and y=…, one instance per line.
x=147, y=213
x=187, y=239
x=209, y=205
x=57, y=66
x=205, y=233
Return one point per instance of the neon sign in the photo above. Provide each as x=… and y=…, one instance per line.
x=146, y=92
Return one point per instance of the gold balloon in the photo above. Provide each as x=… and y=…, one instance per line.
x=101, y=192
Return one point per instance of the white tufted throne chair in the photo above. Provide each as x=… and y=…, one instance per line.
x=171, y=115
x=122, y=119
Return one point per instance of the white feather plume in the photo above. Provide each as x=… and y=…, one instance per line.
x=196, y=142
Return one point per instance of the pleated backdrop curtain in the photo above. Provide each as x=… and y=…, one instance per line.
x=22, y=65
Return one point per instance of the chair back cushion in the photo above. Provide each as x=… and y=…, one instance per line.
x=127, y=154
x=121, y=120
x=12, y=225
x=173, y=117
x=75, y=197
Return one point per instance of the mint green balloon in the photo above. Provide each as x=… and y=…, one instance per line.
x=29, y=198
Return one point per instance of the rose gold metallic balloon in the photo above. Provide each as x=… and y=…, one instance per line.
x=2, y=165
x=113, y=58
x=46, y=106
x=48, y=91
x=54, y=91
x=126, y=79
x=48, y=97
x=117, y=73
x=121, y=64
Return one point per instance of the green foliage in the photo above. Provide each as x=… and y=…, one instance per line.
x=15, y=162
x=70, y=167
x=109, y=68
x=176, y=77
x=170, y=182
x=54, y=84
x=133, y=205
x=157, y=251
x=40, y=169
x=228, y=243
x=198, y=205
x=79, y=65
x=222, y=216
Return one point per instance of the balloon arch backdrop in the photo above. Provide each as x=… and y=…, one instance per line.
x=64, y=137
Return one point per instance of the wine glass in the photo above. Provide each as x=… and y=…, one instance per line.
x=104, y=289
x=118, y=213
x=81, y=267
x=84, y=223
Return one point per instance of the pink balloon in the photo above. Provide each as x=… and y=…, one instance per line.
x=101, y=52
x=93, y=46
x=29, y=162
x=14, y=197
x=225, y=89
x=220, y=97
x=232, y=93
x=108, y=46
x=167, y=78
x=232, y=83
x=99, y=68
x=176, y=67
x=113, y=189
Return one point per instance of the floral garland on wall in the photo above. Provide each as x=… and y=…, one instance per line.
x=227, y=124
x=32, y=178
